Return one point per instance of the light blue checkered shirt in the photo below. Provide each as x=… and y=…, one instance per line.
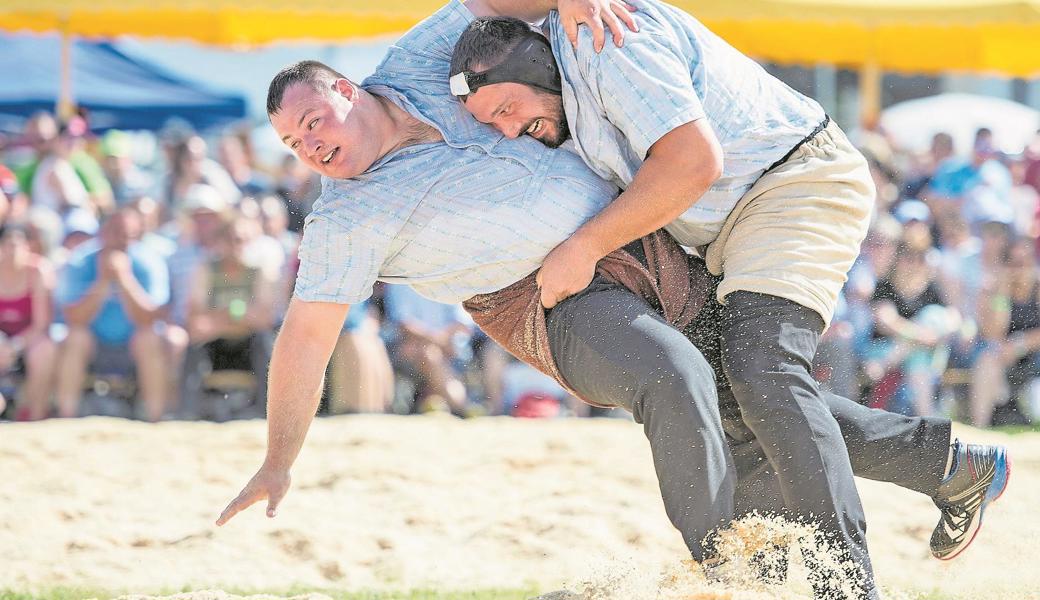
x=673, y=71
x=454, y=219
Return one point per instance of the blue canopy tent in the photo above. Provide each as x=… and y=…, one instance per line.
x=117, y=90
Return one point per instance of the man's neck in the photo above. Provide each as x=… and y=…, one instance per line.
x=402, y=129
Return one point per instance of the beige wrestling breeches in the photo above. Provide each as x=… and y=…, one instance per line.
x=797, y=231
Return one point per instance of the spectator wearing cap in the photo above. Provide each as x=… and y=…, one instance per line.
x=25, y=317
x=112, y=298
x=129, y=182
x=231, y=314
x=262, y=249
x=79, y=226
x=202, y=218
x=916, y=220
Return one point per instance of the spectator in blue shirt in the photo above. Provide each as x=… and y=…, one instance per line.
x=957, y=182
x=112, y=297
x=431, y=339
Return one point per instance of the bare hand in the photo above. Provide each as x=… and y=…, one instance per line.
x=120, y=263
x=113, y=264
x=567, y=270
x=267, y=483
x=595, y=14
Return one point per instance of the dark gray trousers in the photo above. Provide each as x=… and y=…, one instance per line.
x=715, y=450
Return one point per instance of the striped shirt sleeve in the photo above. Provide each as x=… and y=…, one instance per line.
x=338, y=263
x=644, y=87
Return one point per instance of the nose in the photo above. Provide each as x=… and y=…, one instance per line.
x=510, y=130
x=312, y=146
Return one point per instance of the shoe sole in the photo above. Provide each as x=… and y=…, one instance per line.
x=1001, y=478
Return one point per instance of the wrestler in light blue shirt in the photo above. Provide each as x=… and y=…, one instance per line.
x=454, y=219
x=619, y=102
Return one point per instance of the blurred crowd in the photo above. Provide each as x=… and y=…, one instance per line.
x=146, y=276
x=941, y=313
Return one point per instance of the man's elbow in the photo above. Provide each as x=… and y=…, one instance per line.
x=711, y=161
x=713, y=168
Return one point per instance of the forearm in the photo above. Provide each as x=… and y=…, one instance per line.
x=891, y=324
x=656, y=197
x=83, y=311
x=301, y=354
x=139, y=306
x=530, y=11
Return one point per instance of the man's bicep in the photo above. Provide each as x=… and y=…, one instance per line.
x=645, y=89
x=320, y=322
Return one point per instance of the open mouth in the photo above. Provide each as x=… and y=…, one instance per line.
x=328, y=157
x=535, y=128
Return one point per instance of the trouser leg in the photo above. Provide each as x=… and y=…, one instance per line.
x=768, y=344
x=910, y=452
x=613, y=349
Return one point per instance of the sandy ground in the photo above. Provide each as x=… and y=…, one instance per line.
x=431, y=502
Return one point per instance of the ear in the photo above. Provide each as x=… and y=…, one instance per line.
x=346, y=88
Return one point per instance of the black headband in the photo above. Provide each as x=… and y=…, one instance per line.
x=531, y=63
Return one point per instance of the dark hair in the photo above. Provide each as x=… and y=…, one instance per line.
x=487, y=42
x=310, y=72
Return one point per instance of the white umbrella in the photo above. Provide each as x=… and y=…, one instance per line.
x=912, y=124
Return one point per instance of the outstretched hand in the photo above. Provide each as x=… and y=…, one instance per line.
x=598, y=15
x=567, y=270
x=269, y=484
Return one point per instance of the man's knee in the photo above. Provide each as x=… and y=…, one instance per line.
x=40, y=357
x=147, y=345
x=78, y=345
x=766, y=339
x=678, y=390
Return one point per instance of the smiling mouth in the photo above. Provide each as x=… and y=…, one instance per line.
x=535, y=127
x=328, y=157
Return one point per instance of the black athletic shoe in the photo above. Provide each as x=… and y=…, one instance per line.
x=979, y=476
